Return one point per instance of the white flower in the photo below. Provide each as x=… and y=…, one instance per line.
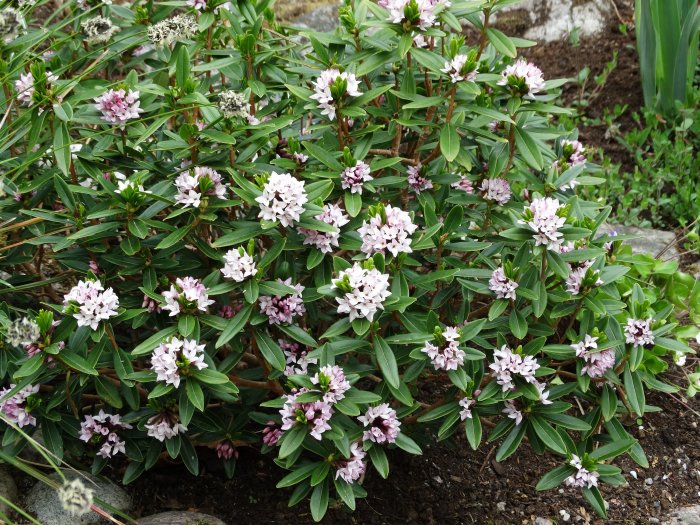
x=195, y=184
x=503, y=287
x=118, y=106
x=524, y=74
x=389, y=229
x=583, y=477
x=187, y=294
x=283, y=310
x=332, y=382
x=506, y=363
x=323, y=90
x=466, y=404
x=352, y=178
x=15, y=407
x=239, y=265
x=577, y=275
x=455, y=68
x=542, y=216
x=171, y=357
x=315, y=415
x=364, y=291
x=511, y=410
x=297, y=358
x=325, y=241
x=283, y=199
x=638, y=332
x=416, y=181
x=426, y=8
x=123, y=184
x=102, y=429
x=497, y=190
x=25, y=87
x=90, y=303
x=164, y=426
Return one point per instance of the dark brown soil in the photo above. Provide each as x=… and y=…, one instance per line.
x=451, y=484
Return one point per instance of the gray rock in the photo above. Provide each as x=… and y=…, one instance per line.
x=542, y=521
x=323, y=18
x=8, y=488
x=661, y=244
x=43, y=500
x=685, y=516
x=552, y=20
x=180, y=518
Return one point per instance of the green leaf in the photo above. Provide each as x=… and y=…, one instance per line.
x=182, y=66
x=387, y=362
x=549, y=436
x=379, y=460
x=153, y=341
x=501, y=42
x=511, y=442
x=319, y=501
x=61, y=146
x=596, y=501
x=108, y=392
x=271, y=351
x=634, y=390
x=554, y=477
x=292, y=440
x=186, y=325
x=472, y=427
x=517, y=324
x=76, y=362
x=235, y=325
x=528, y=148
x=64, y=192
x=353, y=203
x=449, y=142
x=195, y=394
x=406, y=443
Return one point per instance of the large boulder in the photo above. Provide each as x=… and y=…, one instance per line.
x=8, y=488
x=180, y=518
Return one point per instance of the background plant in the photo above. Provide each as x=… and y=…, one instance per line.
x=218, y=234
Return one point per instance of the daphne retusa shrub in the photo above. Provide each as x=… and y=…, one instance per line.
x=217, y=232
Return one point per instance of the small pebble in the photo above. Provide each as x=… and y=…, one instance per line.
x=649, y=481
x=501, y=506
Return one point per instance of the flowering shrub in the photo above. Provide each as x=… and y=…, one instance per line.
x=217, y=233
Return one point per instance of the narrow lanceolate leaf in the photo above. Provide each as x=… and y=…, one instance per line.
x=501, y=42
x=449, y=142
x=234, y=326
x=387, y=362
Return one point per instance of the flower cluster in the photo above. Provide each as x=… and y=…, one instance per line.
x=523, y=77
x=463, y=184
x=187, y=295
x=283, y=310
x=638, y=332
x=325, y=241
x=127, y=188
x=172, y=30
x=496, y=190
x=446, y=354
x=332, y=383
x=503, y=287
x=382, y=422
x=198, y=183
x=511, y=410
x=388, y=229
x=416, y=181
x=460, y=68
x=98, y=30
x=232, y=104
x=102, y=430
x=17, y=408
x=238, y=265
x=174, y=358
x=271, y=434
x=583, y=477
x=364, y=291
x=119, y=106
x=573, y=154
x=466, y=411
x=582, y=275
x=352, y=178
x=507, y=363
x=352, y=468
x=297, y=358
x=420, y=13
x=90, y=303
x=331, y=87
x=315, y=414
x=164, y=425
x=282, y=199
x=25, y=86
x=22, y=332
x=544, y=217
x=597, y=362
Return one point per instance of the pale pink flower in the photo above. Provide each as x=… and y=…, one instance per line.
x=118, y=107
x=164, y=426
x=511, y=410
x=314, y=415
x=351, y=469
x=390, y=230
x=382, y=422
x=463, y=184
x=525, y=73
x=297, y=358
x=497, y=190
x=503, y=287
x=352, y=178
x=416, y=181
x=238, y=265
x=466, y=404
x=283, y=199
x=455, y=68
x=283, y=310
x=332, y=382
x=638, y=332
x=15, y=407
x=577, y=275
x=507, y=363
x=101, y=429
x=364, y=291
x=187, y=294
x=90, y=303
x=323, y=93
x=543, y=217
x=171, y=358
x=198, y=183
x=325, y=241
x=446, y=354
x=583, y=477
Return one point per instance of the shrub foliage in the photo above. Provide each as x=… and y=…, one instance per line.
x=222, y=233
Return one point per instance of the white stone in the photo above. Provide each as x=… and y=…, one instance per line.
x=180, y=518
x=685, y=516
